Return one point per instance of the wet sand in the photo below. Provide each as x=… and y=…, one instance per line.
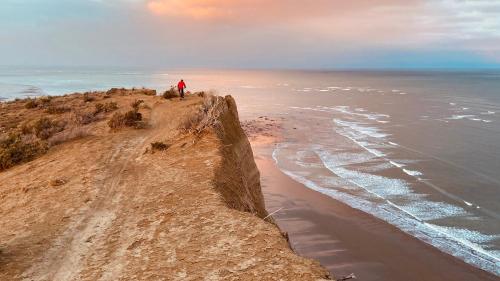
x=346, y=240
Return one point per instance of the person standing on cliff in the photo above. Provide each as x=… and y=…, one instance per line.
x=181, y=86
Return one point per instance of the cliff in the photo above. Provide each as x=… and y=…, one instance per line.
x=173, y=194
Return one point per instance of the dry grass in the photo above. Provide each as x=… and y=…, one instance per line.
x=68, y=135
x=43, y=128
x=159, y=146
x=57, y=109
x=197, y=120
x=105, y=107
x=18, y=148
x=57, y=182
x=30, y=104
x=131, y=118
x=50, y=121
x=171, y=93
x=87, y=97
x=78, y=117
x=135, y=104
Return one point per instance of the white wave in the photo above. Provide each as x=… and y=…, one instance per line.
x=429, y=210
x=487, y=121
x=393, y=143
x=459, y=117
x=379, y=185
x=412, y=173
x=361, y=128
x=467, y=234
x=488, y=113
x=442, y=238
x=370, y=116
x=468, y=203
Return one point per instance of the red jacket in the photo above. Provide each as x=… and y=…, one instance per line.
x=181, y=85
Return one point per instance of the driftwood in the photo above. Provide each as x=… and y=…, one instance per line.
x=348, y=277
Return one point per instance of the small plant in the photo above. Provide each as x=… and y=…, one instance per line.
x=192, y=121
x=128, y=119
x=30, y=104
x=148, y=92
x=57, y=109
x=68, y=135
x=170, y=94
x=159, y=146
x=16, y=149
x=44, y=128
x=45, y=100
x=57, y=182
x=200, y=94
x=135, y=105
x=87, y=97
x=106, y=107
x=113, y=91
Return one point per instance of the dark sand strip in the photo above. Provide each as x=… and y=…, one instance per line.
x=346, y=240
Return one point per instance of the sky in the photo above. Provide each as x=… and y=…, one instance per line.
x=306, y=34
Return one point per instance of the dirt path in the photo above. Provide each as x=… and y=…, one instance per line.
x=124, y=214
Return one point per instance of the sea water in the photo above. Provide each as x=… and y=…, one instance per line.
x=418, y=149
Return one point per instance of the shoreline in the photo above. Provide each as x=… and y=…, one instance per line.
x=363, y=244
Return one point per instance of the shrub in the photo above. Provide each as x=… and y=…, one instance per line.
x=114, y=91
x=31, y=103
x=87, y=97
x=159, y=146
x=171, y=94
x=192, y=121
x=15, y=149
x=135, y=105
x=44, y=128
x=128, y=119
x=45, y=100
x=82, y=117
x=68, y=135
x=57, y=109
x=57, y=182
x=106, y=107
x=147, y=92
x=200, y=94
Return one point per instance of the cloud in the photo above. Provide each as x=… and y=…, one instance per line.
x=263, y=11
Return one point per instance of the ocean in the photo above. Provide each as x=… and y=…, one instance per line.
x=417, y=149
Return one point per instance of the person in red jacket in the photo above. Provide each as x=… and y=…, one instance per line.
x=181, y=86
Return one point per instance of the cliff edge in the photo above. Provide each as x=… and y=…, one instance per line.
x=177, y=199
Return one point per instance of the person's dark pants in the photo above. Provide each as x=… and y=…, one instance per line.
x=181, y=92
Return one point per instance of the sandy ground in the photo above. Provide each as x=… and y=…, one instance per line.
x=123, y=214
x=344, y=239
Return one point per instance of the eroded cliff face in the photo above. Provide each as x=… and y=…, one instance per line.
x=237, y=179
x=120, y=212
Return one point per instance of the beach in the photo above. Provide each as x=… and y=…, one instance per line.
x=345, y=240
